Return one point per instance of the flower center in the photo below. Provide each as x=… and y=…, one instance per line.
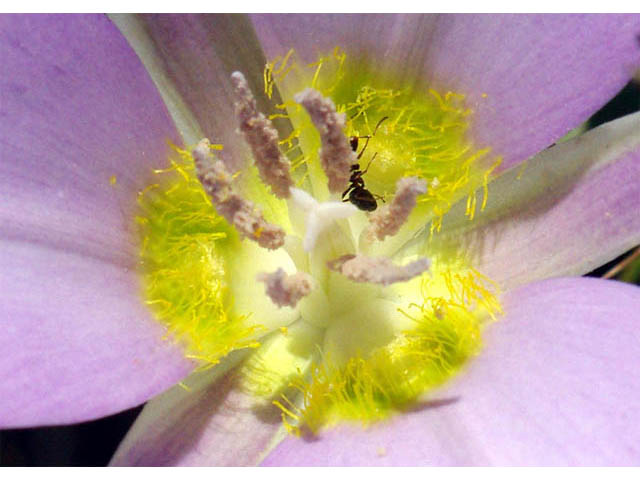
x=305, y=256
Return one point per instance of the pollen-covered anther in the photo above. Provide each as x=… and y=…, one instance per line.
x=336, y=155
x=286, y=290
x=262, y=137
x=388, y=220
x=380, y=270
x=242, y=214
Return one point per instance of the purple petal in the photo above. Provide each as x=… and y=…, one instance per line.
x=398, y=41
x=77, y=108
x=529, y=78
x=570, y=209
x=211, y=424
x=556, y=384
x=547, y=73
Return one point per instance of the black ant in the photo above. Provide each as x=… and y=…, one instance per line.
x=356, y=193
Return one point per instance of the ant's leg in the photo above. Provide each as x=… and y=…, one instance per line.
x=368, y=137
x=366, y=169
x=348, y=190
x=357, y=181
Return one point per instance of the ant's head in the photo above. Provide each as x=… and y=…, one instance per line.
x=353, y=141
x=355, y=167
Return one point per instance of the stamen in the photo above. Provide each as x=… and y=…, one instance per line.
x=262, y=137
x=380, y=270
x=242, y=214
x=388, y=220
x=286, y=290
x=336, y=155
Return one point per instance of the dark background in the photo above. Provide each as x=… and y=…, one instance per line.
x=93, y=443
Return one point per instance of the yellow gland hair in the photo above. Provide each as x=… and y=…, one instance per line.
x=426, y=133
x=457, y=304
x=185, y=246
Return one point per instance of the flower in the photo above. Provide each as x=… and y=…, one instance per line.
x=78, y=337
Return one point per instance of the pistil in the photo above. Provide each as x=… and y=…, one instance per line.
x=318, y=216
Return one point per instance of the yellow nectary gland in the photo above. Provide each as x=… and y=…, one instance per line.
x=425, y=135
x=184, y=248
x=447, y=333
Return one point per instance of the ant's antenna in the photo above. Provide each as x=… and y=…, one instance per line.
x=378, y=125
x=368, y=137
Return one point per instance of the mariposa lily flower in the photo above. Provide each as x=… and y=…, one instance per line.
x=84, y=139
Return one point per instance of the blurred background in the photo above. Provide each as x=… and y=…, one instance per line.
x=93, y=443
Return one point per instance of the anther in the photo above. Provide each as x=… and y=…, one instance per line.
x=286, y=290
x=380, y=270
x=388, y=220
x=336, y=155
x=262, y=137
x=242, y=214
